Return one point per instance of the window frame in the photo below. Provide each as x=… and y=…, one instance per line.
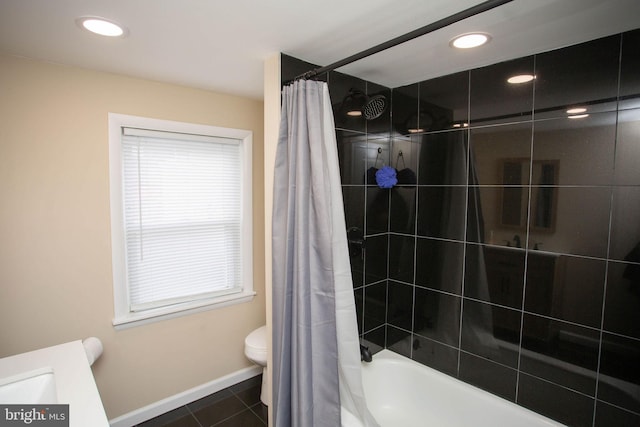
x=123, y=316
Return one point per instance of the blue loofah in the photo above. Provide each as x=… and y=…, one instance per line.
x=386, y=177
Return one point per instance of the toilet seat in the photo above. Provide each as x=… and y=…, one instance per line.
x=255, y=345
x=255, y=348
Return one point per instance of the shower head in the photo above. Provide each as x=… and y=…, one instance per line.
x=374, y=107
x=356, y=104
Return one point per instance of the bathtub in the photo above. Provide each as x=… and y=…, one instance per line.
x=402, y=392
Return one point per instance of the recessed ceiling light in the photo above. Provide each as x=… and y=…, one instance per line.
x=576, y=110
x=521, y=78
x=415, y=130
x=578, y=116
x=469, y=40
x=101, y=26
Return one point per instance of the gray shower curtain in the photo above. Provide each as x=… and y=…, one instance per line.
x=450, y=160
x=316, y=356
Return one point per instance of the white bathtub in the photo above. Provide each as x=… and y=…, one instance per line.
x=402, y=392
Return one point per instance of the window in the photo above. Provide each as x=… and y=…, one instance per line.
x=180, y=217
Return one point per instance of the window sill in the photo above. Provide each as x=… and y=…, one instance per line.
x=130, y=320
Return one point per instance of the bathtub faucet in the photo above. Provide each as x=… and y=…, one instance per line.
x=365, y=354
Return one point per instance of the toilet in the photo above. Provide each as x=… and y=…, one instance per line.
x=255, y=348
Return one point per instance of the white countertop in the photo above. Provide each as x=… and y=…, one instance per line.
x=75, y=384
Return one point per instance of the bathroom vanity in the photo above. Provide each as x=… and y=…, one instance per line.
x=59, y=374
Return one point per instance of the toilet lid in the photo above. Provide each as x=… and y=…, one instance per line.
x=257, y=339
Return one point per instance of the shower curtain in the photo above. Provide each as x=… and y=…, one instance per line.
x=451, y=161
x=316, y=355
x=480, y=317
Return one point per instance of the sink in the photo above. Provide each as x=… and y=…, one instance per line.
x=32, y=387
x=60, y=375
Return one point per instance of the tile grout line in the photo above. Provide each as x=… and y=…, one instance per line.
x=250, y=408
x=193, y=415
x=609, y=233
x=234, y=414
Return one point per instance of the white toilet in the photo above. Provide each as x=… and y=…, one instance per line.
x=255, y=348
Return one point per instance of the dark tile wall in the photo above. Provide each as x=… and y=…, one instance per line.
x=508, y=256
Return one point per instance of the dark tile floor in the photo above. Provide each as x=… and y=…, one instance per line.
x=236, y=406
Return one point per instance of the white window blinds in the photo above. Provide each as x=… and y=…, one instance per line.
x=182, y=216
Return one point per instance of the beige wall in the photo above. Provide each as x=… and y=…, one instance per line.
x=55, y=246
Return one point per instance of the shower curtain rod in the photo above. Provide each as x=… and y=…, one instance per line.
x=452, y=19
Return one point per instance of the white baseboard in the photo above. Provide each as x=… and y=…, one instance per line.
x=170, y=403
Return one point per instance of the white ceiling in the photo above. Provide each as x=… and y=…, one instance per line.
x=221, y=46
